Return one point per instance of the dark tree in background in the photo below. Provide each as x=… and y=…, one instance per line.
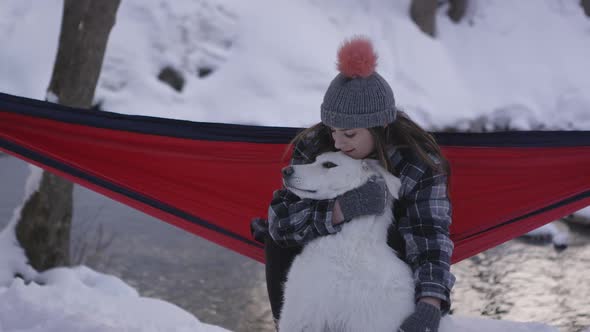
x=43, y=229
x=423, y=13
x=457, y=9
x=586, y=6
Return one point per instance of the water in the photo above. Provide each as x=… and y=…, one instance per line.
x=524, y=282
x=516, y=280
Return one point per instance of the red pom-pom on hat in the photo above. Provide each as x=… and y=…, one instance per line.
x=356, y=58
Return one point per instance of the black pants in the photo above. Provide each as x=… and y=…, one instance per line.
x=278, y=262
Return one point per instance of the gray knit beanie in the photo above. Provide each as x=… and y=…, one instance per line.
x=358, y=97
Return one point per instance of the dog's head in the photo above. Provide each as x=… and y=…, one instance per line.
x=334, y=173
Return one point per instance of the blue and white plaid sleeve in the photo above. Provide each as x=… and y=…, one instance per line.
x=425, y=229
x=293, y=221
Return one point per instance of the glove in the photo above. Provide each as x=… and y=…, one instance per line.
x=425, y=318
x=368, y=199
x=259, y=229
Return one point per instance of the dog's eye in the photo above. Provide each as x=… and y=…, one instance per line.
x=329, y=164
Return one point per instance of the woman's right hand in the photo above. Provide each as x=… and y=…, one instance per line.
x=368, y=199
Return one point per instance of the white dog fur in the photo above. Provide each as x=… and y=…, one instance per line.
x=352, y=280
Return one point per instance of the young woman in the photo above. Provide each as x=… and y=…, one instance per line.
x=359, y=118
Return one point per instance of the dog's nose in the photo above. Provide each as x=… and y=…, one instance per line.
x=288, y=171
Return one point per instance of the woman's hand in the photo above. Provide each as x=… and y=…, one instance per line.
x=425, y=318
x=368, y=199
x=259, y=229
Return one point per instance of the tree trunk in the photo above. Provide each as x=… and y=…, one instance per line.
x=586, y=6
x=423, y=13
x=457, y=9
x=84, y=34
x=43, y=229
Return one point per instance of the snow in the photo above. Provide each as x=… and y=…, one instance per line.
x=80, y=299
x=521, y=65
x=524, y=61
x=584, y=213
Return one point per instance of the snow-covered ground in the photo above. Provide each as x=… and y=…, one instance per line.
x=521, y=65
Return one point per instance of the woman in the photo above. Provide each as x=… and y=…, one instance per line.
x=359, y=118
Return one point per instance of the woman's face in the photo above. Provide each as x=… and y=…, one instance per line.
x=357, y=143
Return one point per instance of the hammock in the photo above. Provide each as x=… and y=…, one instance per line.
x=211, y=179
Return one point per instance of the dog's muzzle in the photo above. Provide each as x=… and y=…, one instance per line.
x=288, y=179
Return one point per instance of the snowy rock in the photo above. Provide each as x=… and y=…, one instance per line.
x=559, y=236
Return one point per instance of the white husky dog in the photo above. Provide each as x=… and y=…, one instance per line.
x=352, y=280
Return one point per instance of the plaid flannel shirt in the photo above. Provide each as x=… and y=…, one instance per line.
x=424, y=225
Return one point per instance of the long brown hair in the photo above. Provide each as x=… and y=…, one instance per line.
x=402, y=133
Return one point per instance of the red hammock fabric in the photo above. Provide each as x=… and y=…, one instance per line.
x=212, y=179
